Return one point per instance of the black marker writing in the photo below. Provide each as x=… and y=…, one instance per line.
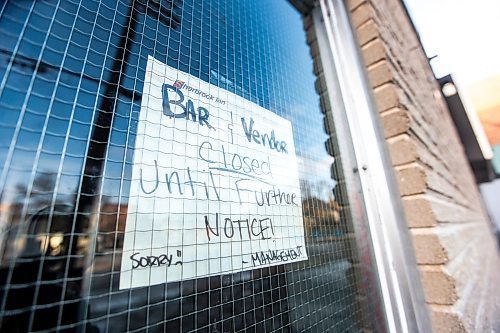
x=273, y=256
x=261, y=228
x=150, y=261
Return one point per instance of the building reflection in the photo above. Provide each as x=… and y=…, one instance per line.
x=41, y=246
x=63, y=230
x=36, y=262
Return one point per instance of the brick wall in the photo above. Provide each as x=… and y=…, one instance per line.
x=456, y=253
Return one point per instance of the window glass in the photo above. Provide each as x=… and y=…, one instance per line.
x=72, y=75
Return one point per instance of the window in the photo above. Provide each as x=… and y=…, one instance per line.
x=72, y=81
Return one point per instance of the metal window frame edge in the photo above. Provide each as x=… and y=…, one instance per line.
x=349, y=92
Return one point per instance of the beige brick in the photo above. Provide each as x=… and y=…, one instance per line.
x=428, y=248
x=444, y=320
x=320, y=84
x=386, y=97
x=396, y=121
x=439, y=195
x=314, y=48
x=439, y=287
x=353, y=4
x=373, y=52
x=379, y=74
x=361, y=14
x=367, y=32
x=310, y=34
x=307, y=21
x=402, y=149
x=418, y=212
x=412, y=180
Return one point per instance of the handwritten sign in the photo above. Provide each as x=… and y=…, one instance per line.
x=215, y=186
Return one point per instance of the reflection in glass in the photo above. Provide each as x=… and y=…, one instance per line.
x=71, y=76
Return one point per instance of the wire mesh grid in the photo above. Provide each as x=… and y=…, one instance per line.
x=72, y=78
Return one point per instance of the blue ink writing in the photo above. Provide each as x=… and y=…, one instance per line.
x=262, y=139
x=187, y=108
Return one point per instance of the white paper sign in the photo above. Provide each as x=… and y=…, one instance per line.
x=215, y=186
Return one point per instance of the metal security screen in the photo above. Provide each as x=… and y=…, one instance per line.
x=81, y=83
